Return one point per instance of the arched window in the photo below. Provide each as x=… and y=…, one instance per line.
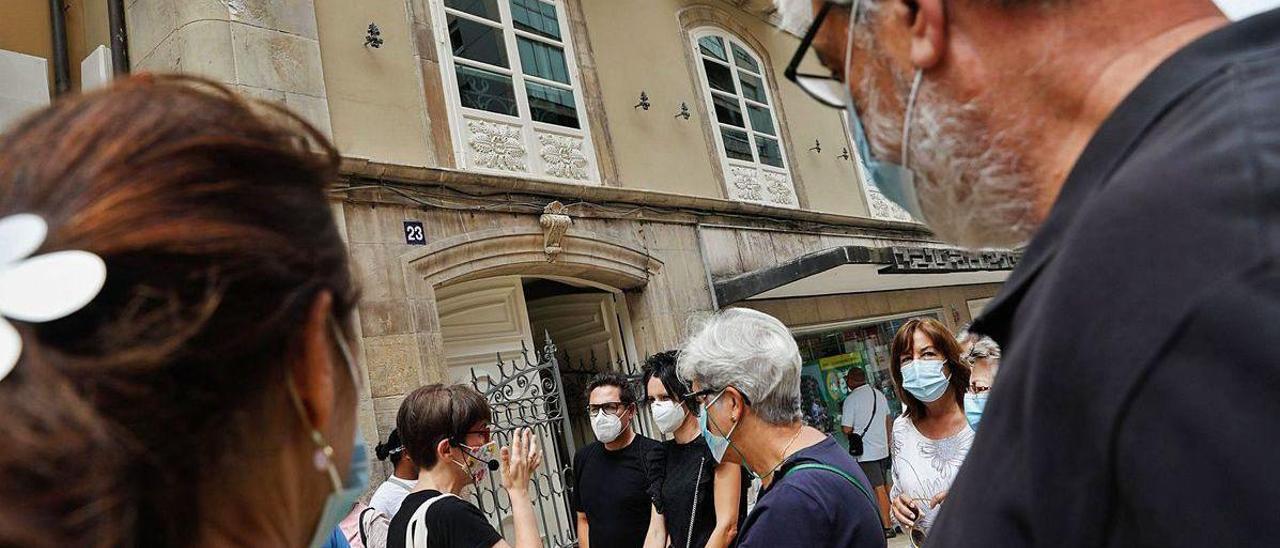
x=514, y=89
x=743, y=119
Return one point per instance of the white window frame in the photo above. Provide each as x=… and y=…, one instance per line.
x=878, y=206
x=748, y=181
x=528, y=156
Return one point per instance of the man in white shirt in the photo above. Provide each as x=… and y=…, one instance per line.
x=866, y=414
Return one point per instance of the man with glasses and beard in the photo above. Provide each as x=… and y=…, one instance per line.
x=610, y=487
x=1134, y=149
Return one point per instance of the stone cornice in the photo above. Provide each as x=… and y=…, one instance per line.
x=354, y=171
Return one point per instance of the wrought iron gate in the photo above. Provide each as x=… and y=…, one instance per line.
x=530, y=394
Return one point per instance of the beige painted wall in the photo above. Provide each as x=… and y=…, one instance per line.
x=638, y=45
x=24, y=28
x=375, y=95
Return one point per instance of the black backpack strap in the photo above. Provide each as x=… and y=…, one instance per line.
x=364, y=536
x=852, y=480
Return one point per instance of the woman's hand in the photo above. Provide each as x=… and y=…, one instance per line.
x=937, y=499
x=519, y=460
x=904, y=511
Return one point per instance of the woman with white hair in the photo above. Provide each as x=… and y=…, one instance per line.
x=982, y=354
x=745, y=369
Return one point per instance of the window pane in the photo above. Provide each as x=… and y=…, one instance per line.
x=552, y=105
x=769, y=152
x=484, y=8
x=536, y=17
x=713, y=46
x=736, y=145
x=477, y=41
x=542, y=60
x=719, y=76
x=760, y=119
x=752, y=88
x=744, y=60
x=484, y=90
x=727, y=110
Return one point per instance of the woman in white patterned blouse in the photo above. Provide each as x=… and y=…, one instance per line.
x=932, y=437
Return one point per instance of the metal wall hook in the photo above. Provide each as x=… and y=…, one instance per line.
x=374, y=38
x=684, y=111
x=644, y=101
x=817, y=147
x=844, y=154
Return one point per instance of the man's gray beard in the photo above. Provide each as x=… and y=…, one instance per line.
x=974, y=191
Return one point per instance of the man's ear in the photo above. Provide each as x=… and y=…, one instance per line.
x=928, y=24
x=443, y=450
x=311, y=368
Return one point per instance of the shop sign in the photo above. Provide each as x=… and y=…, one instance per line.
x=840, y=361
x=927, y=260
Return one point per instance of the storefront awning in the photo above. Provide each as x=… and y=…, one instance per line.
x=859, y=269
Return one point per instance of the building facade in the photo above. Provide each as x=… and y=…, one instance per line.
x=599, y=172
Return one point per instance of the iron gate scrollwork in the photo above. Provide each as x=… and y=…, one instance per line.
x=527, y=393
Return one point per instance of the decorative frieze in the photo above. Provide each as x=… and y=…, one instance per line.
x=563, y=157
x=497, y=146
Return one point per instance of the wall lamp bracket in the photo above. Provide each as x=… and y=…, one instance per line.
x=817, y=146
x=844, y=153
x=684, y=111
x=644, y=101
x=374, y=37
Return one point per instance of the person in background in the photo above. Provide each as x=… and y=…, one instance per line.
x=177, y=302
x=865, y=419
x=745, y=370
x=932, y=437
x=701, y=503
x=445, y=430
x=610, y=481
x=982, y=354
x=404, y=474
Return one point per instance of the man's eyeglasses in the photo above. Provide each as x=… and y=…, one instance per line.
x=615, y=408
x=825, y=89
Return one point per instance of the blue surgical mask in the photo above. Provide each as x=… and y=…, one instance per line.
x=925, y=379
x=896, y=182
x=973, y=407
x=717, y=443
x=345, y=491
x=339, y=503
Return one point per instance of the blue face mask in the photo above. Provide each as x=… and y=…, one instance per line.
x=718, y=444
x=973, y=406
x=345, y=492
x=925, y=379
x=896, y=182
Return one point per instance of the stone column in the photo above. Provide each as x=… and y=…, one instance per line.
x=267, y=49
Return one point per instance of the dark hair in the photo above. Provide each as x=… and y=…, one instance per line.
x=437, y=412
x=663, y=366
x=626, y=390
x=211, y=214
x=393, y=448
x=945, y=342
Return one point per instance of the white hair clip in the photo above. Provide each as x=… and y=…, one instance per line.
x=41, y=288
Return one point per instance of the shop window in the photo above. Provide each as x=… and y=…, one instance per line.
x=744, y=120
x=514, y=90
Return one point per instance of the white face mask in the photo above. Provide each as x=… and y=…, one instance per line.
x=668, y=415
x=606, y=427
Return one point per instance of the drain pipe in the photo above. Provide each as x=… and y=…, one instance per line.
x=119, y=39
x=61, y=60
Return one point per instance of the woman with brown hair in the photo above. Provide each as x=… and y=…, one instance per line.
x=446, y=432
x=200, y=390
x=931, y=438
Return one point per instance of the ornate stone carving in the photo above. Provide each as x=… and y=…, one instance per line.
x=555, y=222
x=563, y=156
x=882, y=208
x=497, y=146
x=779, y=187
x=744, y=184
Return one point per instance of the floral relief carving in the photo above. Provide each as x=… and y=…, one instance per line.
x=563, y=156
x=882, y=208
x=497, y=146
x=745, y=184
x=779, y=186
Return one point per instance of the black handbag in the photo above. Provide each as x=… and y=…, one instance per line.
x=855, y=440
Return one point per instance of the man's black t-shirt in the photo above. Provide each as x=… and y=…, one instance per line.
x=451, y=523
x=610, y=488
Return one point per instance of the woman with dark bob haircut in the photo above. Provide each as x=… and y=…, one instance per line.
x=196, y=387
x=446, y=431
x=932, y=437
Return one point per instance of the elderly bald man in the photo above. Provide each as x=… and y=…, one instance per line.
x=1136, y=146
